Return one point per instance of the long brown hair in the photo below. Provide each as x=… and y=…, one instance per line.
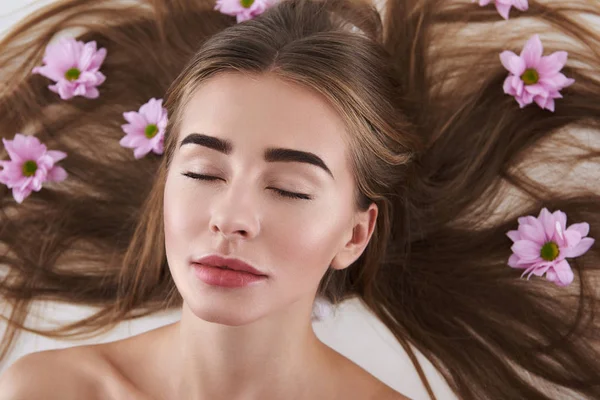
x=450, y=160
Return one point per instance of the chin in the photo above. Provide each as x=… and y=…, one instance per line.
x=229, y=319
x=224, y=313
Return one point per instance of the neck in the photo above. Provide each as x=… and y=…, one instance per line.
x=271, y=358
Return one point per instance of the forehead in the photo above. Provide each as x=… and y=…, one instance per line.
x=256, y=112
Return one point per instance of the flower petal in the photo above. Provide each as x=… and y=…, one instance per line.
x=572, y=238
x=583, y=228
x=547, y=220
x=537, y=90
x=564, y=273
x=545, y=102
x=131, y=130
x=56, y=155
x=541, y=268
x=91, y=93
x=64, y=89
x=152, y=110
x=528, y=220
x=513, y=85
x=36, y=184
x=522, y=5
x=24, y=147
x=131, y=141
x=158, y=147
x=526, y=250
x=11, y=174
x=582, y=247
x=512, y=62
x=228, y=7
x=57, y=174
x=80, y=90
x=62, y=55
x=513, y=235
x=532, y=51
x=549, y=104
x=142, y=150
x=24, y=183
x=555, y=82
x=50, y=71
x=97, y=59
x=503, y=9
x=534, y=234
x=513, y=261
x=13, y=150
x=234, y=7
x=552, y=64
x=136, y=119
x=20, y=195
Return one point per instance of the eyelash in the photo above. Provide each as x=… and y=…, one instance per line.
x=282, y=193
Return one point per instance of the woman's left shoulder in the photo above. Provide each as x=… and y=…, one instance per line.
x=393, y=395
x=382, y=391
x=365, y=386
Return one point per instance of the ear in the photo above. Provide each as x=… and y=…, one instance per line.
x=362, y=230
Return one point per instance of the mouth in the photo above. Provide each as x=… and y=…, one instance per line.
x=222, y=276
x=225, y=268
x=228, y=263
x=212, y=266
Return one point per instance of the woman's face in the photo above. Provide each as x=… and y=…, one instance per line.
x=242, y=211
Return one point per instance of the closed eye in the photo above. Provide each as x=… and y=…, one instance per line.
x=282, y=193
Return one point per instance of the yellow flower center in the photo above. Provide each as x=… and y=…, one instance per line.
x=246, y=3
x=530, y=76
x=72, y=74
x=549, y=251
x=29, y=168
x=151, y=131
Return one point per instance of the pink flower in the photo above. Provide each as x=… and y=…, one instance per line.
x=243, y=9
x=503, y=6
x=541, y=245
x=146, y=129
x=30, y=165
x=73, y=66
x=534, y=77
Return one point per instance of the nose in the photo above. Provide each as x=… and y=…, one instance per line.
x=235, y=213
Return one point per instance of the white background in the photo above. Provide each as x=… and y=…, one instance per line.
x=352, y=331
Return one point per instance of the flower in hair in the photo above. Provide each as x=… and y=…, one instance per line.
x=503, y=6
x=534, y=77
x=243, y=9
x=30, y=165
x=145, y=131
x=541, y=245
x=74, y=67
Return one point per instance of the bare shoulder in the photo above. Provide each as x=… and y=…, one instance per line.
x=390, y=394
x=80, y=372
x=366, y=386
x=51, y=374
x=381, y=391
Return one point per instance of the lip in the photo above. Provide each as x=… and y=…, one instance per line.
x=226, y=278
x=236, y=264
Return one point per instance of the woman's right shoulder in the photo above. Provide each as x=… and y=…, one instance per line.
x=55, y=374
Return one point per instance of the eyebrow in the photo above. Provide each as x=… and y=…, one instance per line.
x=272, y=154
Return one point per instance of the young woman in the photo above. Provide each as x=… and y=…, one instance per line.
x=306, y=151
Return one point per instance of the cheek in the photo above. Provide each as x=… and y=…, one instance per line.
x=309, y=241
x=179, y=218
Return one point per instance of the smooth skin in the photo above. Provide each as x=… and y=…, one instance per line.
x=292, y=220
